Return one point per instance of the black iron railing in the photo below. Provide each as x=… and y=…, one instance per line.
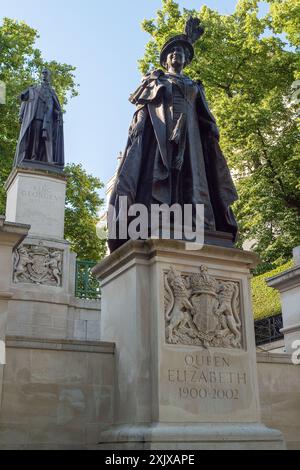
x=87, y=286
x=268, y=330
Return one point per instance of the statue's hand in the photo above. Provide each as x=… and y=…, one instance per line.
x=45, y=134
x=20, y=120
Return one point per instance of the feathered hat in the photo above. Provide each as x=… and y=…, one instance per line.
x=193, y=31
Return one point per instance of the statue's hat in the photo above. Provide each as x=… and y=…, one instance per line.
x=193, y=31
x=179, y=40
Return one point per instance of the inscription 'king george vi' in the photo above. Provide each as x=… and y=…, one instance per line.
x=201, y=310
x=41, y=192
x=206, y=377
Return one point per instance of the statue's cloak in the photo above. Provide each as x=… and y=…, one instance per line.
x=145, y=170
x=53, y=126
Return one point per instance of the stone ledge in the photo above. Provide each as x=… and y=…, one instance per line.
x=191, y=436
x=12, y=234
x=53, y=296
x=274, y=358
x=285, y=281
x=4, y=295
x=42, y=170
x=145, y=251
x=23, y=342
x=269, y=347
x=291, y=329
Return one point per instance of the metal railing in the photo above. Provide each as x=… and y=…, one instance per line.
x=267, y=330
x=87, y=286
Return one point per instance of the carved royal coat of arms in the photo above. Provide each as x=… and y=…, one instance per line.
x=37, y=264
x=202, y=310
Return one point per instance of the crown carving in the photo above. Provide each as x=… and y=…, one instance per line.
x=203, y=283
x=39, y=250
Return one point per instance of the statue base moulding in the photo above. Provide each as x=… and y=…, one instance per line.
x=186, y=373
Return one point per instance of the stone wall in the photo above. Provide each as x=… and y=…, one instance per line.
x=11, y=235
x=56, y=394
x=59, y=394
x=40, y=309
x=279, y=386
x=53, y=316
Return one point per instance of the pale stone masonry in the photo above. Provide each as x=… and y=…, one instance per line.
x=37, y=197
x=11, y=235
x=288, y=284
x=58, y=394
x=186, y=375
x=279, y=392
x=43, y=303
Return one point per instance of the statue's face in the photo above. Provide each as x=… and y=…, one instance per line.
x=176, y=57
x=46, y=75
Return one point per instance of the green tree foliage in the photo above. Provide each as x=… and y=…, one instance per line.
x=248, y=73
x=266, y=300
x=285, y=18
x=20, y=66
x=82, y=206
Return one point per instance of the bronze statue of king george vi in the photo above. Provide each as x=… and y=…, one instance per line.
x=41, y=139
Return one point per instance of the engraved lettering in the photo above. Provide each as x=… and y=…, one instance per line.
x=241, y=378
x=212, y=377
x=193, y=376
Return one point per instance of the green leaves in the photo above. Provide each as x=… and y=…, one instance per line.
x=285, y=18
x=266, y=301
x=248, y=72
x=82, y=207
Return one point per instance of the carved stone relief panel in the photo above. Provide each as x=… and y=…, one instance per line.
x=201, y=310
x=38, y=264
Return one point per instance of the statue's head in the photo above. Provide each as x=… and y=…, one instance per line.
x=178, y=51
x=46, y=75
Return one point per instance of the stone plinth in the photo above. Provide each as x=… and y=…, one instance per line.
x=288, y=284
x=185, y=348
x=10, y=236
x=37, y=197
x=43, y=303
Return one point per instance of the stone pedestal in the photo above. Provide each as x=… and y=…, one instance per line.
x=43, y=303
x=288, y=284
x=10, y=236
x=186, y=373
x=37, y=197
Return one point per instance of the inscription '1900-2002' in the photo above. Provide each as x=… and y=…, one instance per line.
x=208, y=377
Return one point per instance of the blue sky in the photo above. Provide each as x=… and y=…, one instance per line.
x=104, y=40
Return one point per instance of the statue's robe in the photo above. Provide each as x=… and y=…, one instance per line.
x=52, y=124
x=145, y=173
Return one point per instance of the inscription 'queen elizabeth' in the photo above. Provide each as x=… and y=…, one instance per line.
x=201, y=310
